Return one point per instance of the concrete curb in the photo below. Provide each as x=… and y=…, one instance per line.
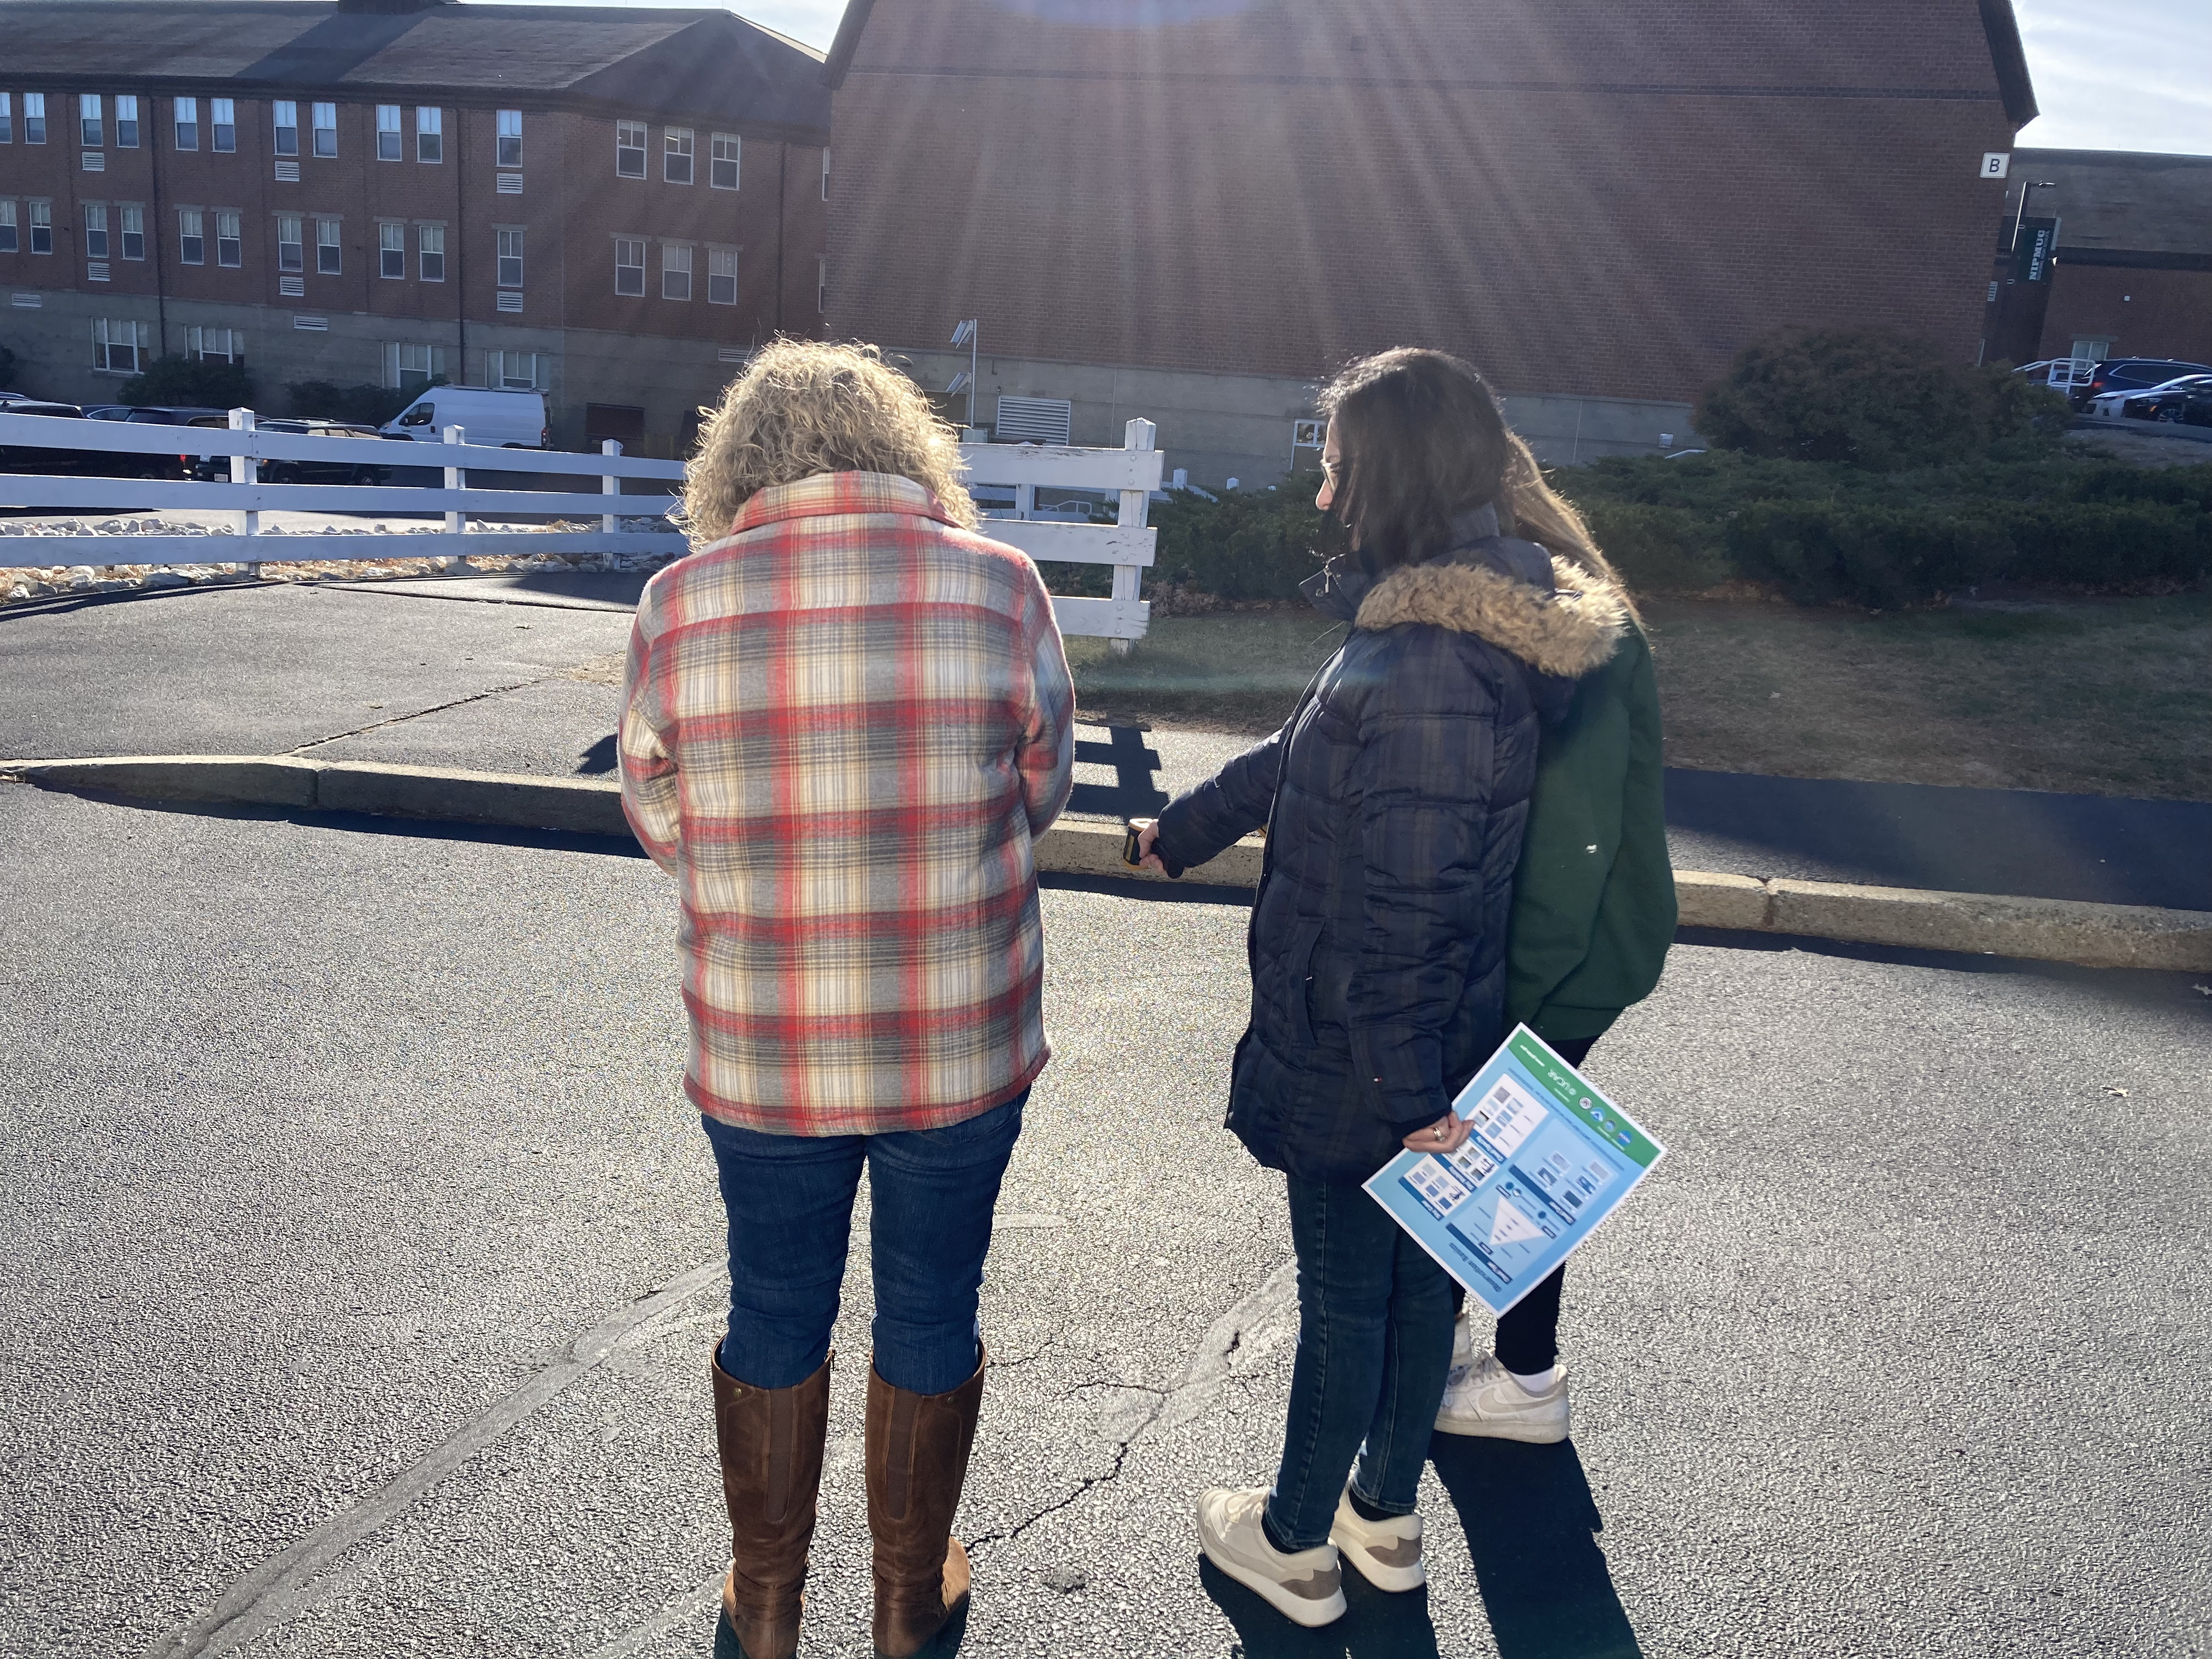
x=2046, y=930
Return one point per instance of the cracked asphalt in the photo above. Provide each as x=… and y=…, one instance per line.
x=353, y=1201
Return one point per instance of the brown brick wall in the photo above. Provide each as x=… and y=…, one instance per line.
x=2145, y=313
x=1582, y=197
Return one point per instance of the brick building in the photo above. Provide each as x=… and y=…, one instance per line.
x=2131, y=275
x=612, y=204
x=1191, y=209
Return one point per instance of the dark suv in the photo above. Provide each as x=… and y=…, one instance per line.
x=2132, y=374
x=319, y=471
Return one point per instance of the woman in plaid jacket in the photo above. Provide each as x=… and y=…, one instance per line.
x=845, y=721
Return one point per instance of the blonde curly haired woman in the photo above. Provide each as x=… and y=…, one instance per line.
x=845, y=719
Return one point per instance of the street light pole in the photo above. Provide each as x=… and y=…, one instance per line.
x=2027, y=187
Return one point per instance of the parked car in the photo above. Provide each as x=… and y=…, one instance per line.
x=108, y=411
x=508, y=420
x=2187, y=401
x=2111, y=405
x=38, y=458
x=2132, y=374
x=217, y=467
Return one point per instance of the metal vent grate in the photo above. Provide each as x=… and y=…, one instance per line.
x=317, y=324
x=510, y=184
x=26, y=301
x=95, y=270
x=729, y=355
x=288, y=173
x=94, y=161
x=292, y=287
x=1033, y=420
x=510, y=302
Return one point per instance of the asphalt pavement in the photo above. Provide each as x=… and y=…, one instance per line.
x=364, y=1269
x=519, y=673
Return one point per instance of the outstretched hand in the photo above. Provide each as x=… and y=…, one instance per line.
x=1148, y=832
x=1447, y=1134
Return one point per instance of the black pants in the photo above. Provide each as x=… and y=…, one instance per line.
x=1528, y=1332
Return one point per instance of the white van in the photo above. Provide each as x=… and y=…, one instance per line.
x=504, y=420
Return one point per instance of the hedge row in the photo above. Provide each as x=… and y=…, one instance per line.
x=1820, y=532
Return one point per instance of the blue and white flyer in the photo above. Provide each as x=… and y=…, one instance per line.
x=1549, y=1159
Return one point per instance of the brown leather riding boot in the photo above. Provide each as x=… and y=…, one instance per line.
x=917, y=1457
x=771, y=1441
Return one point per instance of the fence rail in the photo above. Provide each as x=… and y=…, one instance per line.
x=1134, y=471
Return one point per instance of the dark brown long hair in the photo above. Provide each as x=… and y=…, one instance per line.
x=1421, y=442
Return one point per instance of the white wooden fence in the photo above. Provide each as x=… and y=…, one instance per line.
x=1134, y=471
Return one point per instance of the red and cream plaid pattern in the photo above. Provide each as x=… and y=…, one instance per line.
x=843, y=724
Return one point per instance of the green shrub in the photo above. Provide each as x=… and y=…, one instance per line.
x=1874, y=400
x=1248, y=544
x=1883, y=557
x=1660, y=549
x=8, y=371
x=175, y=381
x=2105, y=545
x=365, y=405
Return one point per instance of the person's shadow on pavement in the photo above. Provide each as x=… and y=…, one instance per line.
x=1377, y=1624
x=600, y=758
x=1531, y=1526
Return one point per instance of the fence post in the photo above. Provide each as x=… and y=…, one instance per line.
x=1135, y=505
x=456, y=478
x=609, y=484
x=245, y=470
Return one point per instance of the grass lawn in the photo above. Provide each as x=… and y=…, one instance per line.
x=2093, y=696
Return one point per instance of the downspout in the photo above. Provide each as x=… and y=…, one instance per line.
x=151, y=128
x=782, y=186
x=461, y=241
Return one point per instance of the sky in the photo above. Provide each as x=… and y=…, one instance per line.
x=2109, y=74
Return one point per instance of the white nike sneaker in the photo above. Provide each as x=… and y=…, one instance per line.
x=1306, y=1586
x=1485, y=1399
x=1387, y=1553
x=1463, y=1349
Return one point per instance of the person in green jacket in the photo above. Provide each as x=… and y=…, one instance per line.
x=1593, y=916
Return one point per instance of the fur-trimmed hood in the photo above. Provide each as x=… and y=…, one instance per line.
x=1569, y=630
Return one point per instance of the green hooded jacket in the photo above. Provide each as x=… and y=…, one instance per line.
x=1593, y=898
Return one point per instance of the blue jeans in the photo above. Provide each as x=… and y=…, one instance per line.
x=790, y=1203
x=1374, y=1341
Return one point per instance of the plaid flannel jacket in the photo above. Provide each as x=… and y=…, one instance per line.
x=842, y=726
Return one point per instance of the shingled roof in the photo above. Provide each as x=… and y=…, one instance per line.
x=706, y=62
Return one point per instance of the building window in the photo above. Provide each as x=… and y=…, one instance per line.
x=134, y=232
x=327, y=130
x=288, y=127
x=510, y=258
x=222, y=117
x=429, y=134
x=126, y=122
x=392, y=251
x=410, y=367
x=7, y=243
x=291, y=255
x=512, y=371
x=6, y=118
x=674, y=271
x=96, y=230
x=629, y=150
x=629, y=264
x=508, y=148
x=42, y=224
x=187, y=113
x=228, y=246
x=430, y=252
x=119, y=347
x=826, y=173
x=821, y=286
x=192, y=237
x=88, y=119
x=387, y=132
x=675, y=156
x=722, y=169
x=215, y=345
x=328, y=254
x=721, y=276
x=34, y=118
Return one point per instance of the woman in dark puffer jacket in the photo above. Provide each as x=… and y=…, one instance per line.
x=1395, y=798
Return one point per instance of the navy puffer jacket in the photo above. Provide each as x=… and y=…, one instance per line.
x=1395, y=798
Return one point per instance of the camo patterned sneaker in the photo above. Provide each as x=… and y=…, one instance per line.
x=1306, y=1586
x=1387, y=1553
x=1485, y=1399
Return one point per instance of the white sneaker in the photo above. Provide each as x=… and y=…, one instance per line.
x=1306, y=1587
x=1485, y=1399
x=1387, y=1553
